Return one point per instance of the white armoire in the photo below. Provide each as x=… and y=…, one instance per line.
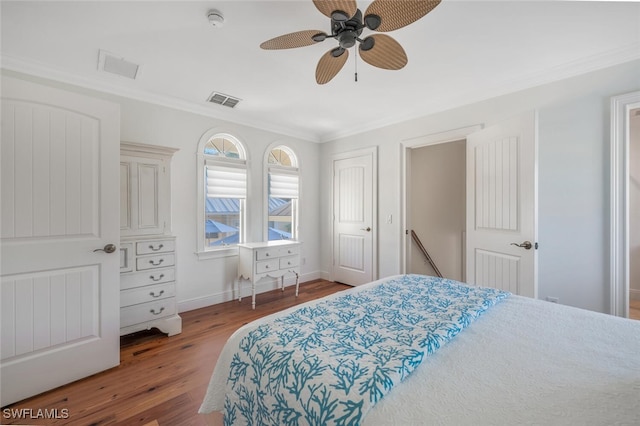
x=147, y=248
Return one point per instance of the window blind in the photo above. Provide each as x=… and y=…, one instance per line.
x=282, y=184
x=226, y=181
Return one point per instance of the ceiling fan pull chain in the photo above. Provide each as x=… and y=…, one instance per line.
x=356, y=62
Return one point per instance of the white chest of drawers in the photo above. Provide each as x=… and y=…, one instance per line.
x=147, y=249
x=267, y=259
x=147, y=286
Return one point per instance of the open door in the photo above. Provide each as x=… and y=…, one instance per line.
x=502, y=206
x=60, y=313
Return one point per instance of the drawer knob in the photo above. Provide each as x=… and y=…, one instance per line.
x=266, y=255
x=288, y=263
x=156, y=264
x=153, y=311
x=153, y=278
x=151, y=247
x=152, y=294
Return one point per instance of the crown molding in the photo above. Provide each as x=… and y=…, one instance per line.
x=41, y=70
x=582, y=66
x=585, y=65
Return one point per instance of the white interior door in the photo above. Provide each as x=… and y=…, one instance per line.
x=501, y=206
x=60, y=298
x=354, y=217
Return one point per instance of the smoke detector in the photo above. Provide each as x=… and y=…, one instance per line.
x=215, y=18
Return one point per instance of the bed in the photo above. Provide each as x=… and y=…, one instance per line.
x=413, y=349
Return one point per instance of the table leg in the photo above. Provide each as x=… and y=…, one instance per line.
x=297, y=284
x=237, y=284
x=253, y=295
x=282, y=282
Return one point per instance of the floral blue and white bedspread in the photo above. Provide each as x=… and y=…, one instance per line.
x=329, y=363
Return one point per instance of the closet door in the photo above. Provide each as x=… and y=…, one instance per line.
x=59, y=228
x=144, y=201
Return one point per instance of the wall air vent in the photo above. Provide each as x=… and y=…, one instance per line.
x=110, y=63
x=224, y=100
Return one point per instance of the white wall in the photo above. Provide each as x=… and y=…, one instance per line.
x=634, y=205
x=438, y=206
x=573, y=178
x=573, y=182
x=205, y=282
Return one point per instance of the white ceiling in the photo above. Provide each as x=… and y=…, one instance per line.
x=463, y=51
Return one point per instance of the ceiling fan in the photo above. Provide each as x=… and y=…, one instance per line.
x=347, y=24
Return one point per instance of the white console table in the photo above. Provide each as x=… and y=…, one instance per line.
x=267, y=259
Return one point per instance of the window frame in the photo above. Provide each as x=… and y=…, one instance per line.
x=202, y=251
x=293, y=169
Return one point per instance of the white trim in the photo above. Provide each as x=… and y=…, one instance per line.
x=581, y=66
x=201, y=158
x=265, y=187
x=567, y=70
x=405, y=165
x=113, y=87
x=619, y=210
x=145, y=150
x=373, y=151
x=228, y=295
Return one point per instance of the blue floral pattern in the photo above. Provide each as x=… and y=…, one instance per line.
x=329, y=363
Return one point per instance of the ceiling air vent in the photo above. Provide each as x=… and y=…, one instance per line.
x=224, y=100
x=110, y=63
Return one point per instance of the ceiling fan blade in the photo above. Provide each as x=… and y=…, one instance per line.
x=327, y=7
x=394, y=14
x=330, y=64
x=297, y=39
x=382, y=51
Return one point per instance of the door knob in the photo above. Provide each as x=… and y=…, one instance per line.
x=525, y=245
x=109, y=248
x=368, y=229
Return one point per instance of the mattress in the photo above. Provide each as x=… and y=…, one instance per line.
x=523, y=361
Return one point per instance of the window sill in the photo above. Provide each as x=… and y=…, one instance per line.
x=217, y=253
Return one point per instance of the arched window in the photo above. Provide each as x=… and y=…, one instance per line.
x=283, y=193
x=222, y=177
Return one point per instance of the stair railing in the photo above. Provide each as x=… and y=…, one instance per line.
x=425, y=253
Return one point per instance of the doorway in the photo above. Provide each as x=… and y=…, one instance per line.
x=634, y=212
x=500, y=199
x=438, y=196
x=623, y=108
x=413, y=260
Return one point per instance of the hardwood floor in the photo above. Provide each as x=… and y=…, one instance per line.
x=634, y=309
x=163, y=379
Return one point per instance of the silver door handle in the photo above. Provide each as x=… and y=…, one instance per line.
x=525, y=245
x=368, y=229
x=109, y=248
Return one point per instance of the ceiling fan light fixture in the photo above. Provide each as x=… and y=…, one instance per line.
x=319, y=37
x=347, y=24
x=367, y=44
x=347, y=39
x=340, y=16
x=337, y=52
x=372, y=21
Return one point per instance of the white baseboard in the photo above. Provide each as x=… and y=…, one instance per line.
x=634, y=294
x=225, y=296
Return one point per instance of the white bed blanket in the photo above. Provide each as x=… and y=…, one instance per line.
x=523, y=362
